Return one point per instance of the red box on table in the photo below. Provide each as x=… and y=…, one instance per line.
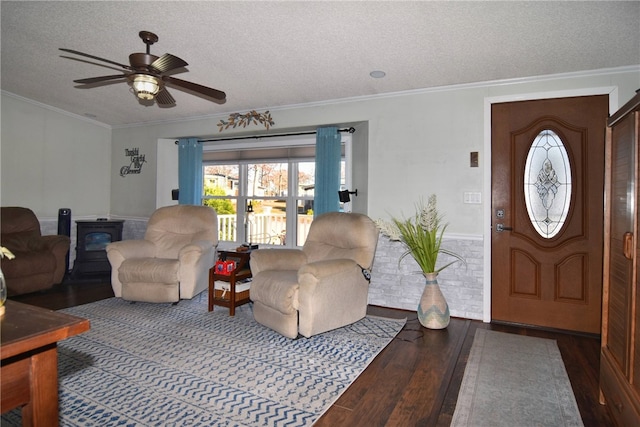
x=225, y=267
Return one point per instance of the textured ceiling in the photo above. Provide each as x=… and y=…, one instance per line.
x=267, y=54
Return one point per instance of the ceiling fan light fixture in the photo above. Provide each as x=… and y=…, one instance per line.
x=147, y=75
x=145, y=86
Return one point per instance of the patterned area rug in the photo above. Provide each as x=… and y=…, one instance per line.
x=162, y=365
x=514, y=380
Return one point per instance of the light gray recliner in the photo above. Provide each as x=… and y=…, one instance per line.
x=321, y=287
x=173, y=260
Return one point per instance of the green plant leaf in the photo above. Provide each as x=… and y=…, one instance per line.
x=422, y=236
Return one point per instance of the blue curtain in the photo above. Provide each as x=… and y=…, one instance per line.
x=189, y=171
x=327, y=182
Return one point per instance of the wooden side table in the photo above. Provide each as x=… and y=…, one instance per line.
x=230, y=299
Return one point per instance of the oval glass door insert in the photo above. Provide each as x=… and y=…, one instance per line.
x=547, y=184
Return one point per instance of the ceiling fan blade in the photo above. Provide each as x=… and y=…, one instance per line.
x=167, y=62
x=127, y=67
x=87, y=61
x=164, y=98
x=197, y=89
x=100, y=79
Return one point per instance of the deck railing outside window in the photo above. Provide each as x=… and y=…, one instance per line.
x=267, y=229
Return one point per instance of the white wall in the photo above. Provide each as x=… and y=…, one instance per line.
x=166, y=172
x=52, y=159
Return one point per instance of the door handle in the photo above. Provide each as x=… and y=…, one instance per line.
x=627, y=245
x=502, y=227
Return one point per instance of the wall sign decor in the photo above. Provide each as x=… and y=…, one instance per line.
x=252, y=117
x=135, y=163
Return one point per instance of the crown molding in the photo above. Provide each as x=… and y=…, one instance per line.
x=56, y=110
x=484, y=84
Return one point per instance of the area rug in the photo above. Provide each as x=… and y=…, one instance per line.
x=514, y=380
x=162, y=365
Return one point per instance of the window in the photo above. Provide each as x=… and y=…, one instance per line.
x=263, y=195
x=547, y=184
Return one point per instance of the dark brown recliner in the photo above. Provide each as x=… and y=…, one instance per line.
x=40, y=261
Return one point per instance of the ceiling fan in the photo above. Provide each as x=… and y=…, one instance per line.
x=148, y=75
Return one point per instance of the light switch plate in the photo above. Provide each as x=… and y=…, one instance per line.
x=472, y=197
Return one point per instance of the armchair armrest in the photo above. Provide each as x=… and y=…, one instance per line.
x=56, y=242
x=191, y=253
x=117, y=252
x=339, y=274
x=276, y=259
x=58, y=245
x=326, y=268
x=196, y=259
x=132, y=248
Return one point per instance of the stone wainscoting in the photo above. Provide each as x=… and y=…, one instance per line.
x=400, y=286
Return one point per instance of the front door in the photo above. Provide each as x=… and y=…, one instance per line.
x=547, y=212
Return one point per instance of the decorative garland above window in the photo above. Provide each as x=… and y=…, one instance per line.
x=252, y=117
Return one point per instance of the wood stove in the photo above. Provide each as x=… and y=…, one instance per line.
x=91, y=241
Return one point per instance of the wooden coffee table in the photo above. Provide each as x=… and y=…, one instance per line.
x=230, y=298
x=29, y=373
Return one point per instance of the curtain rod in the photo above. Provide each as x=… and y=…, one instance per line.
x=234, y=138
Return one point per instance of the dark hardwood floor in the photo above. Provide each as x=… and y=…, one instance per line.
x=415, y=380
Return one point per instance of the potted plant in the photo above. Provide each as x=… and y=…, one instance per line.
x=421, y=235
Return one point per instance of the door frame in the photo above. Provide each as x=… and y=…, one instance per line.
x=612, y=91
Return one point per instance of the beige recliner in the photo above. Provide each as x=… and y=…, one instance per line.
x=173, y=260
x=324, y=285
